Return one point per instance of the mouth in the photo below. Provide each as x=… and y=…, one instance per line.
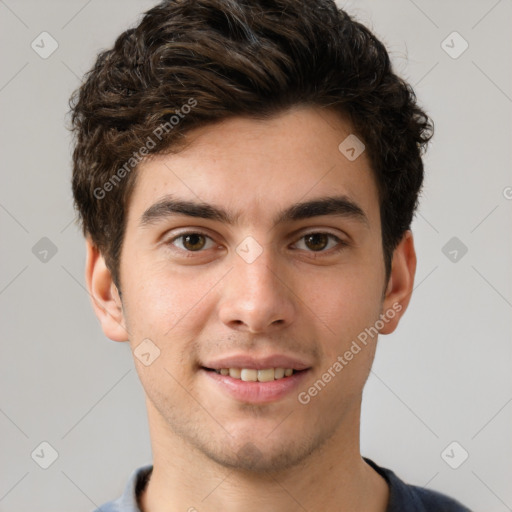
x=255, y=375
x=255, y=386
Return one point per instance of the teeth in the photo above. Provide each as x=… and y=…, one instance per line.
x=249, y=375
x=252, y=375
x=266, y=375
x=235, y=373
x=278, y=373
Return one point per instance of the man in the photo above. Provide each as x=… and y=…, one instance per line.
x=246, y=172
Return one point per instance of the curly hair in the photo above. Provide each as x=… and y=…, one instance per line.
x=214, y=59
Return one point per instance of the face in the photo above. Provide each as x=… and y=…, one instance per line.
x=225, y=269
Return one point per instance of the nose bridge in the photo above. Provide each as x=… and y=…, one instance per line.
x=256, y=272
x=255, y=294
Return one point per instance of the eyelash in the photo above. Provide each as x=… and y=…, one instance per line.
x=339, y=247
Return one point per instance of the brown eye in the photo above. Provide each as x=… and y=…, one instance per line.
x=319, y=242
x=191, y=242
x=194, y=242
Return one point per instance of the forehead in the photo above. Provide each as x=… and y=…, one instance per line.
x=253, y=169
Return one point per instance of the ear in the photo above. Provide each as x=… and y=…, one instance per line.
x=400, y=284
x=104, y=295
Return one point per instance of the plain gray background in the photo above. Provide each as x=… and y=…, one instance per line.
x=444, y=376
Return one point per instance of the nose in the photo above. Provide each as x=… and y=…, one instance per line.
x=257, y=297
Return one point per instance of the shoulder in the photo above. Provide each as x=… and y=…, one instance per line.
x=128, y=501
x=412, y=498
x=433, y=501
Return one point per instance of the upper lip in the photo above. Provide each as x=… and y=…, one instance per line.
x=257, y=363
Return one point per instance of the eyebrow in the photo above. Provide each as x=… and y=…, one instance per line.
x=339, y=206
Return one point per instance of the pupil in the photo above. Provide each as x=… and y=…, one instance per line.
x=192, y=240
x=315, y=237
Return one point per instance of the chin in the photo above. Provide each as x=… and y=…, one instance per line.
x=259, y=455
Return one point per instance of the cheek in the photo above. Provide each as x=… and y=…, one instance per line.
x=348, y=305
x=167, y=308
x=165, y=304
x=344, y=303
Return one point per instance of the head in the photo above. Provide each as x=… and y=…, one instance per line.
x=245, y=109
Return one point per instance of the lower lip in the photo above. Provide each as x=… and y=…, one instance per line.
x=257, y=392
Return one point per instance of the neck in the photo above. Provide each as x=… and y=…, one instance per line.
x=334, y=477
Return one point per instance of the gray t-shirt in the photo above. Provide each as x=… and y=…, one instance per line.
x=402, y=497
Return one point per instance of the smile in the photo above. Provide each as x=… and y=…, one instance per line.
x=255, y=386
x=253, y=375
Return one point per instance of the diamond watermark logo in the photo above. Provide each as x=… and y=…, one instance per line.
x=44, y=250
x=249, y=453
x=147, y=352
x=454, y=45
x=454, y=249
x=44, y=455
x=44, y=45
x=352, y=147
x=249, y=249
x=454, y=455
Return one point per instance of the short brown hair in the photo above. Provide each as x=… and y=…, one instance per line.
x=193, y=62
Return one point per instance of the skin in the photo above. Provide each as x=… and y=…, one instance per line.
x=295, y=298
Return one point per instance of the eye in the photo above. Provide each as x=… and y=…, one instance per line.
x=192, y=241
x=318, y=241
x=315, y=242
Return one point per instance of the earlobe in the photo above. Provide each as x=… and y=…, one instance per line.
x=104, y=295
x=400, y=284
